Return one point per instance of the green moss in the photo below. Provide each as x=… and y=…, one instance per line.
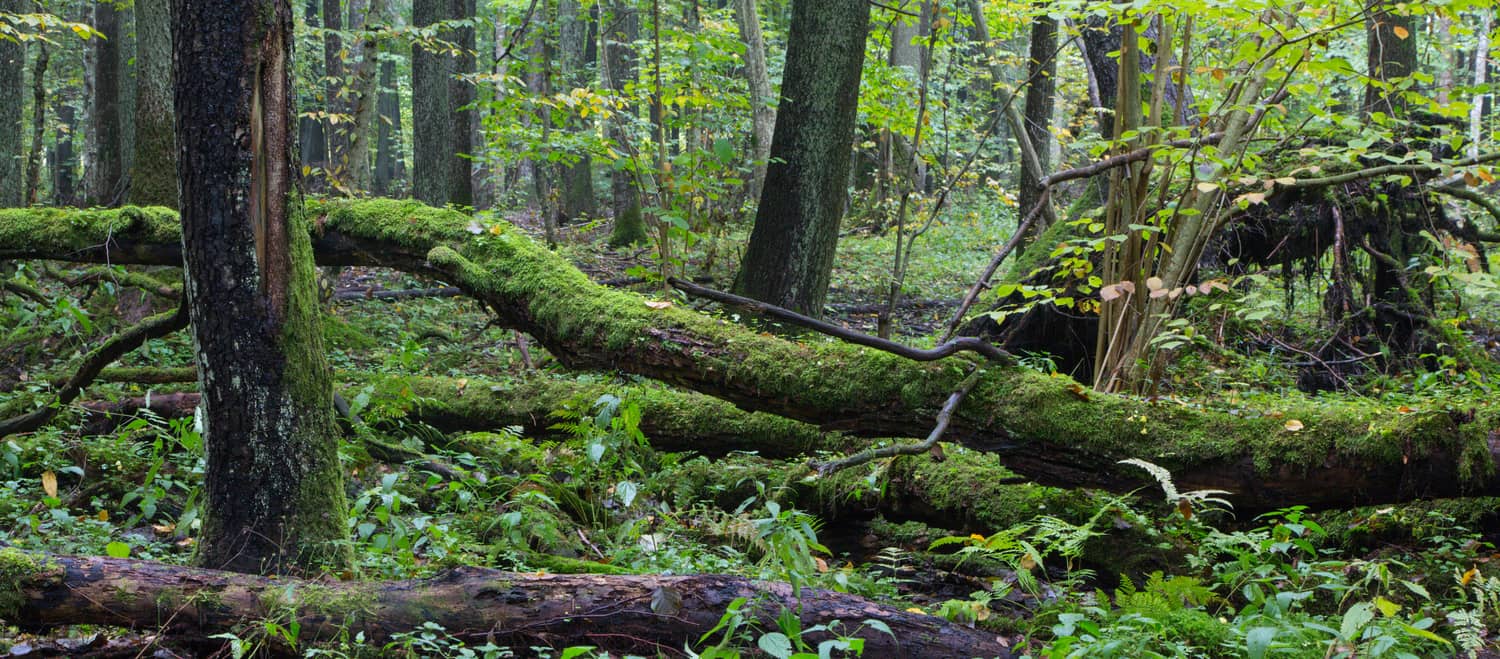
x=17, y=569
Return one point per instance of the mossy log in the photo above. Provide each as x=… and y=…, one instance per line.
x=1047, y=428
x=642, y=614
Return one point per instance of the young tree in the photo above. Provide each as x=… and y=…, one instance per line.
x=106, y=174
x=621, y=25
x=762, y=115
x=790, y=255
x=274, y=495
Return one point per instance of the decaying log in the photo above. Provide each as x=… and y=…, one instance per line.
x=1048, y=428
x=635, y=613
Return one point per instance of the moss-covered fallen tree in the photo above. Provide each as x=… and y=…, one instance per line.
x=643, y=614
x=1044, y=427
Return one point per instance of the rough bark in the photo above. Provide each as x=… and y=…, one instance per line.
x=789, y=258
x=1391, y=37
x=65, y=162
x=38, y=123
x=335, y=92
x=153, y=174
x=762, y=115
x=624, y=614
x=364, y=18
x=622, y=27
x=387, y=133
x=462, y=95
x=273, y=488
x=106, y=176
x=576, y=179
x=1041, y=73
x=432, y=111
x=1044, y=427
x=12, y=74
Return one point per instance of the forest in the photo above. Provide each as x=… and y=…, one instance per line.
x=749, y=328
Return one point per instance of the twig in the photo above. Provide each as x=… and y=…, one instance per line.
x=970, y=344
x=944, y=416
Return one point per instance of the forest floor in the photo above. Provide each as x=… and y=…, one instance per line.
x=1057, y=573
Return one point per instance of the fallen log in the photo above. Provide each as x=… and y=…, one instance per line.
x=636, y=613
x=1048, y=428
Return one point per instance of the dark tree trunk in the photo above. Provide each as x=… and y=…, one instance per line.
x=432, y=111
x=107, y=175
x=312, y=136
x=273, y=489
x=65, y=163
x=38, y=123
x=1392, y=55
x=576, y=179
x=1041, y=73
x=622, y=27
x=790, y=254
x=12, y=76
x=364, y=17
x=153, y=174
x=630, y=614
x=387, y=151
x=461, y=96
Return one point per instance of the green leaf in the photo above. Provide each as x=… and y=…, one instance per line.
x=117, y=550
x=724, y=149
x=775, y=644
x=1258, y=641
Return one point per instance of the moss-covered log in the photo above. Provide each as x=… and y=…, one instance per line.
x=1044, y=427
x=636, y=614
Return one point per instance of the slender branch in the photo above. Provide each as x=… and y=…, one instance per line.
x=944, y=416
x=154, y=327
x=1404, y=168
x=1482, y=201
x=989, y=271
x=969, y=344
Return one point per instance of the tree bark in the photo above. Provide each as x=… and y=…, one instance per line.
x=762, y=115
x=364, y=17
x=1392, y=55
x=387, y=151
x=1041, y=88
x=622, y=614
x=273, y=487
x=576, y=179
x=107, y=174
x=437, y=121
x=38, y=123
x=789, y=258
x=335, y=93
x=462, y=96
x=622, y=26
x=65, y=163
x=153, y=174
x=12, y=75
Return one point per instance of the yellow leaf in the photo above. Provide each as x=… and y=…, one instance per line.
x=1404, y=410
x=1027, y=562
x=1485, y=174
x=1185, y=507
x=1469, y=576
x=658, y=304
x=1207, y=186
x=1293, y=425
x=102, y=515
x=913, y=609
x=1400, y=32
x=49, y=483
x=1387, y=607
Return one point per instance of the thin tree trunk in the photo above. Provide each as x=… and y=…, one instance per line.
x=789, y=258
x=38, y=123
x=432, y=111
x=622, y=25
x=1481, y=63
x=575, y=179
x=312, y=133
x=362, y=13
x=387, y=125
x=335, y=95
x=153, y=177
x=12, y=76
x=65, y=164
x=273, y=486
x=762, y=116
x=462, y=95
x=1392, y=55
x=1041, y=74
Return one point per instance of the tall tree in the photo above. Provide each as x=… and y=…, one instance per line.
x=153, y=173
x=790, y=255
x=12, y=72
x=575, y=178
x=462, y=95
x=335, y=94
x=38, y=123
x=312, y=133
x=364, y=17
x=430, y=109
x=621, y=27
x=388, y=131
x=1041, y=87
x=107, y=174
x=1392, y=55
x=762, y=116
x=274, y=496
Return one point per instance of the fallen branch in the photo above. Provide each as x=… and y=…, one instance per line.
x=989, y=350
x=941, y=426
x=349, y=295
x=624, y=614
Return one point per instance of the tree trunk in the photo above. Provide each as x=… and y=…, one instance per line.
x=366, y=90
x=38, y=123
x=433, y=114
x=1041, y=73
x=1392, y=55
x=789, y=258
x=628, y=614
x=762, y=116
x=153, y=175
x=621, y=27
x=12, y=76
x=65, y=163
x=335, y=94
x=1481, y=63
x=576, y=179
x=387, y=151
x=1050, y=429
x=107, y=175
x=273, y=488
x=462, y=96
